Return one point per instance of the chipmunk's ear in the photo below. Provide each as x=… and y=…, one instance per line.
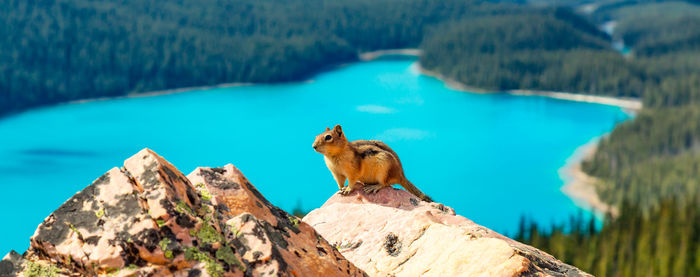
x=338, y=130
x=328, y=129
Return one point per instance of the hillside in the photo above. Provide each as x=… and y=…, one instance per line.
x=554, y=50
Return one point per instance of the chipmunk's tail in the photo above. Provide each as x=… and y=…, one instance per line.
x=413, y=189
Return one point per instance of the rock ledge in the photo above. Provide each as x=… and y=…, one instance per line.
x=393, y=233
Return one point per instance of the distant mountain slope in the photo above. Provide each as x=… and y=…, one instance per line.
x=546, y=51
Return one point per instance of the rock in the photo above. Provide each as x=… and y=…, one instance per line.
x=393, y=233
x=148, y=219
x=11, y=264
x=274, y=238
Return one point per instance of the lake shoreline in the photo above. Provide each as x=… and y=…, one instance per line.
x=579, y=186
x=450, y=83
x=361, y=57
x=629, y=104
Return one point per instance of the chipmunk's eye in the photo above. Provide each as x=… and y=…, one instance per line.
x=328, y=137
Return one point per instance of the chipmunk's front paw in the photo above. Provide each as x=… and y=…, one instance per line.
x=345, y=190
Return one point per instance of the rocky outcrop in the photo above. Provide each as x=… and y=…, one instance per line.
x=393, y=233
x=148, y=219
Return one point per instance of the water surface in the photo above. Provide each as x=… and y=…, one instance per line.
x=493, y=158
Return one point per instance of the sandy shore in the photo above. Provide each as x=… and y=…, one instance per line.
x=625, y=103
x=368, y=56
x=580, y=186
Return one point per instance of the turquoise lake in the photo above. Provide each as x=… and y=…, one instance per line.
x=492, y=157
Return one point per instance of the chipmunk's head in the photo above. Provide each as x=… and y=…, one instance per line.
x=330, y=142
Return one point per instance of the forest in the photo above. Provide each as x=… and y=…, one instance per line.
x=654, y=157
x=62, y=50
x=545, y=52
x=664, y=241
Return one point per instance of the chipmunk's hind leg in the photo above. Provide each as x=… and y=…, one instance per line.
x=373, y=188
x=383, y=175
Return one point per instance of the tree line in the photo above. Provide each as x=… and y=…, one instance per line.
x=662, y=241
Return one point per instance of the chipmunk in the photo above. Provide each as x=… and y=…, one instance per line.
x=362, y=162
